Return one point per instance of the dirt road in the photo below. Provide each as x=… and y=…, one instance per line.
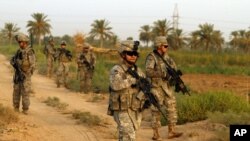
x=44, y=123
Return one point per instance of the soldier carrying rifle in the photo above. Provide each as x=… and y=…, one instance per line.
x=86, y=64
x=159, y=76
x=64, y=57
x=24, y=64
x=49, y=51
x=126, y=101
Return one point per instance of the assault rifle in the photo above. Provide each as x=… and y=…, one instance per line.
x=19, y=76
x=63, y=51
x=89, y=66
x=175, y=79
x=145, y=87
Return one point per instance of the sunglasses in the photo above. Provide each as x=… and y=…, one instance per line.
x=132, y=53
x=165, y=46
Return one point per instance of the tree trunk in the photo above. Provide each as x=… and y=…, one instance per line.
x=101, y=42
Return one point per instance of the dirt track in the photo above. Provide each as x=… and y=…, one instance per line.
x=47, y=124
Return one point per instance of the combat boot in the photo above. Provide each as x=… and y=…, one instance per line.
x=172, y=133
x=156, y=135
x=25, y=112
x=66, y=86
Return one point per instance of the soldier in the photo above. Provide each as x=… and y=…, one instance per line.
x=156, y=72
x=24, y=64
x=126, y=100
x=64, y=57
x=49, y=51
x=86, y=64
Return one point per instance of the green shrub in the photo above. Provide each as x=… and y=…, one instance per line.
x=87, y=118
x=55, y=102
x=229, y=117
x=197, y=106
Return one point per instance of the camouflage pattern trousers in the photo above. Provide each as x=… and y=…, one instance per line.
x=85, y=80
x=50, y=61
x=21, y=91
x=127, y=125
x=62, y=73
x=165, y=99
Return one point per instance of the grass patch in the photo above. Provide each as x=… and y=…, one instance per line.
x=229, y=117
x=55, y=102
x=87, y=118
x=197, y=107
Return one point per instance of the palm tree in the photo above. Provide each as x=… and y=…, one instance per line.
x=161, y=28
x=101, y=30
x=176, y=39
x=205, y=33
x=9, y=30
x=247, y=40
x=217, y=39
x=207, y=36
x=194, y=40
x=114, y=39
x=39, y=27
x=234, y=41
x=145, y=34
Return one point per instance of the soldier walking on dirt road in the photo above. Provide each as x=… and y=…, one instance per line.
x=64, y=57
x=126, y=100
x=24, y=64
x=49, y=51
x=86, y=64
x=158, y=75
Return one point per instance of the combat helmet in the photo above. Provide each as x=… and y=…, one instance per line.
x=20, y=37
x=86, y=45
x=160, y=40
x=128, y=45
x=63, y=43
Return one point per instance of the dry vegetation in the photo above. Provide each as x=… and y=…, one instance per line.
x=7, y=116
x=55, y=102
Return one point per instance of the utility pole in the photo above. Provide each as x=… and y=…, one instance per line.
x=175, y=18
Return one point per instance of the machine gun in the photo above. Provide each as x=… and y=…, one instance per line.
x=175, y=79
x=145, y=87
x=19, y=76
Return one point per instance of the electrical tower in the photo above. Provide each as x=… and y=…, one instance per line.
x=175, y=18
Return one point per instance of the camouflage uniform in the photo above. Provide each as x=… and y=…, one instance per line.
x=125, y=101
x=25, y=60
x=49, y=51
x=157, y=73
x=64, y=57
x=86, y=62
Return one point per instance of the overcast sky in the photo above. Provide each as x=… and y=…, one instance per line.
x=127, y=16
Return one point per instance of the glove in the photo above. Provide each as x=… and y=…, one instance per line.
x=146, y=104
x=133, y=82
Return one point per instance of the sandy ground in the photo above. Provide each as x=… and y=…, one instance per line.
x=44, y=123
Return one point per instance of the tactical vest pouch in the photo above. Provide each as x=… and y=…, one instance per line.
x=123, y=102
x=115, y=101
x=64, y=58
x=137, y=101
x=25, y=64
